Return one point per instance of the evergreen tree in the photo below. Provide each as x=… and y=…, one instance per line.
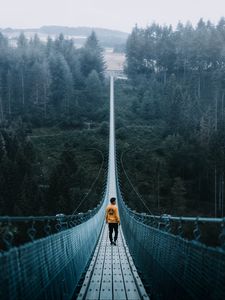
x=92, y=57
x=94, y=87
x=61, y=82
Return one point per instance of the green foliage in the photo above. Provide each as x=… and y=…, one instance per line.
x=18, y=184
x=46, y=83
x=176, y=96
x=50, y=171
x=61, y=181
x=92, y=57
x=93, y=86
x=170, y=121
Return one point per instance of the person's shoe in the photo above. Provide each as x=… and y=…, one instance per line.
x=114, y=243
x=111, y=243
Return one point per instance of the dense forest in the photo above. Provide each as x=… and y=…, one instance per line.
x=169, y=122
x=58, y=88
x=175, y=117
x=43, y=83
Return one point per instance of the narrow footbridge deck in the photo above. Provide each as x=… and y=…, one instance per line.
x=112, y=274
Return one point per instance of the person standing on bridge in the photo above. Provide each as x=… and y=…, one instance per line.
x=113, y=219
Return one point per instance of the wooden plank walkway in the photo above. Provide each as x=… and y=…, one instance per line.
x=112, y=274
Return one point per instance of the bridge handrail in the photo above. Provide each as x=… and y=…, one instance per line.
x=18, y=230
x=42, y=218
x=178, y=218
x=185, y=227
x=174, y=258
x=63, y=253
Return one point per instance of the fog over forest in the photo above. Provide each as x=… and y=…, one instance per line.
x=173, y=101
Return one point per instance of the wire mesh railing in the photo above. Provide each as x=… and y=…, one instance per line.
x=173, y=264
x=49, y=267
x=18, y=230
x=15, y=231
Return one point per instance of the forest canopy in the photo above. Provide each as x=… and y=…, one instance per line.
x=178, y=88
x=169, y=120
x=46, y=91
x=42, y=83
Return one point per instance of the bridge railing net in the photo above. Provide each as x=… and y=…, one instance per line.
x=50, y=267
x=173, y=267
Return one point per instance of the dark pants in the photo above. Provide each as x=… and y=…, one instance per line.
x=113, y=226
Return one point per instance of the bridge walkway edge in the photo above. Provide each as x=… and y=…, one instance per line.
x=112, y=274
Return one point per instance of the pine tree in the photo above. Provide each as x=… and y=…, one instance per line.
x=61, y=83
x=94, y=87
x=92, y=57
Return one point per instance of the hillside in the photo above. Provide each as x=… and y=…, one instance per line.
x=107, y=37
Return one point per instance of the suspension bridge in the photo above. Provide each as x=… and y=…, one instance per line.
x=157, y=257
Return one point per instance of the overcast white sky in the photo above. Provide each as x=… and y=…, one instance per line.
x=114, y=14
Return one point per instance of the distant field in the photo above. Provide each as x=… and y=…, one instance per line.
x=106, y=37
x=114, y=61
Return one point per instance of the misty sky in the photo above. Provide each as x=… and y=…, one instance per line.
x=114, y=14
